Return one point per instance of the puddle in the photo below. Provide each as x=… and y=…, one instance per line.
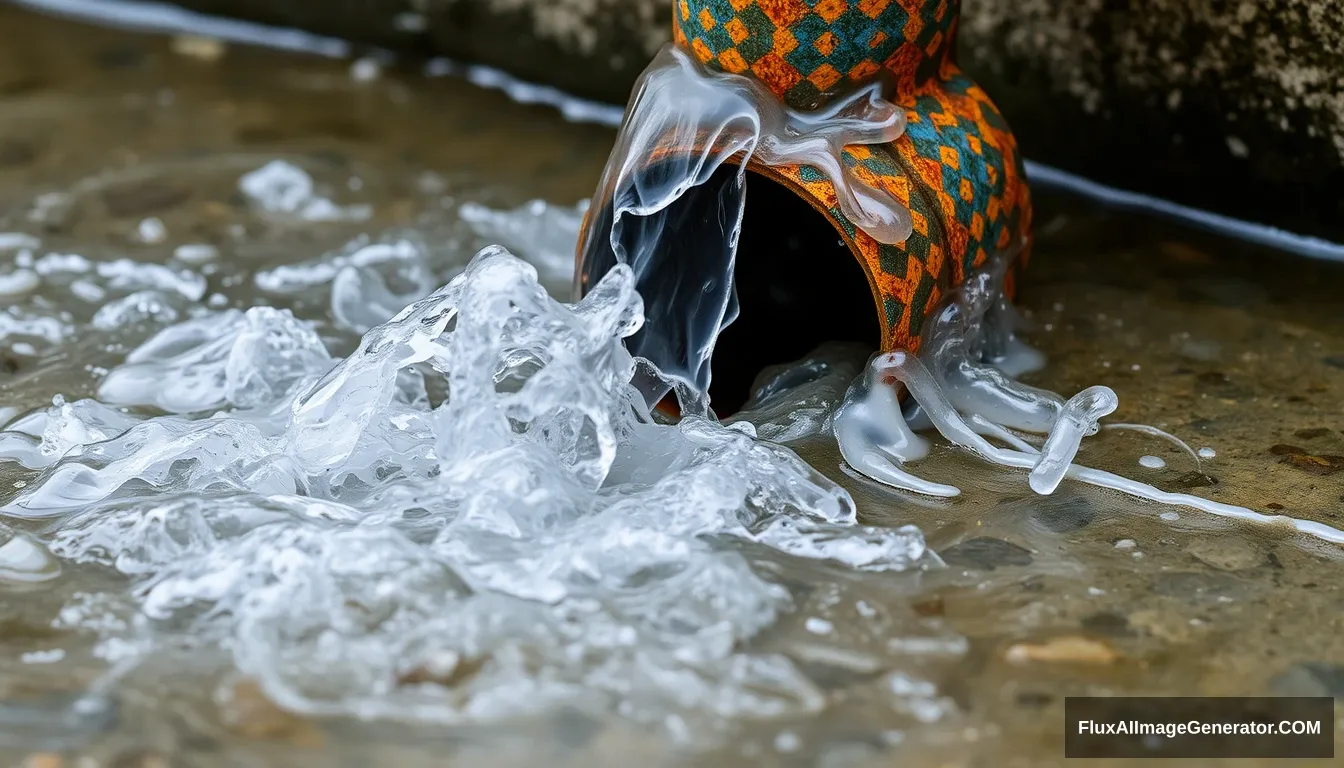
x=243, y=520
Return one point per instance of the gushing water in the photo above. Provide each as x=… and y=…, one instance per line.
x=684, y=124
x=473, y=516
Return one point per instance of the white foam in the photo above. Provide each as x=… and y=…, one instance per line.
x=284, y=189
x=17, y=241
x=19, y=282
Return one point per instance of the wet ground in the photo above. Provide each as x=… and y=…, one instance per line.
x=1086, y=592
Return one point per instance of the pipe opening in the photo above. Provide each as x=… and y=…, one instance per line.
x=797, y=284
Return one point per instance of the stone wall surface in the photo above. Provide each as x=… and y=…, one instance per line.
x=1236, y=106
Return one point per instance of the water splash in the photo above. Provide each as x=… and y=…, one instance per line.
x=534, y=538
x=958, y=387
x=683, y=125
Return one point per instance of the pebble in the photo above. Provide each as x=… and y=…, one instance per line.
x=207, y=49
x=1152, y=462
x=1065, y=650
x=1126, y=544
x=1226, y=553
x=1207, y=453
x=986, y=553
x=1063, y=515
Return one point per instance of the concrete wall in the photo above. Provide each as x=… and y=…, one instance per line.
x=1235, y=106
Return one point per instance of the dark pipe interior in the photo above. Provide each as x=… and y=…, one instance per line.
x=798, y=286
x=797, y=283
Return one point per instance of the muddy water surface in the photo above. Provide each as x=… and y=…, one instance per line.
x=116, y=146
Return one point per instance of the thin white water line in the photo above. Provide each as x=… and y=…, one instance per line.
x=148, y=16
x=1260, y=234
x=144, y=16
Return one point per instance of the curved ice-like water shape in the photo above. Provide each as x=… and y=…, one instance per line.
x=871, y=431
x=685, y=123
x=1078, y=419
x=956, y=389
x=537, y=539
x=942, y=413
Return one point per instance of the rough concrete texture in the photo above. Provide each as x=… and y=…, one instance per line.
x=1236, y=107
x=592, y=48
x=1232, y=106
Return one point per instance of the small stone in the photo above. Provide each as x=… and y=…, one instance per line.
x=934, y=606
x=1063, y=650
x=207, y=49
x=1312, y=433
x=1108, y=624
x=985, y=553
x=1226, y=553
x=1193, y=479
x=1307, y=462
x=1063, y=515
x=1126, y=544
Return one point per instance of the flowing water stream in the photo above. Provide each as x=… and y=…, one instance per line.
x=296, y=473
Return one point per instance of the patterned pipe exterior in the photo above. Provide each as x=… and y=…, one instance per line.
x=956, y=167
